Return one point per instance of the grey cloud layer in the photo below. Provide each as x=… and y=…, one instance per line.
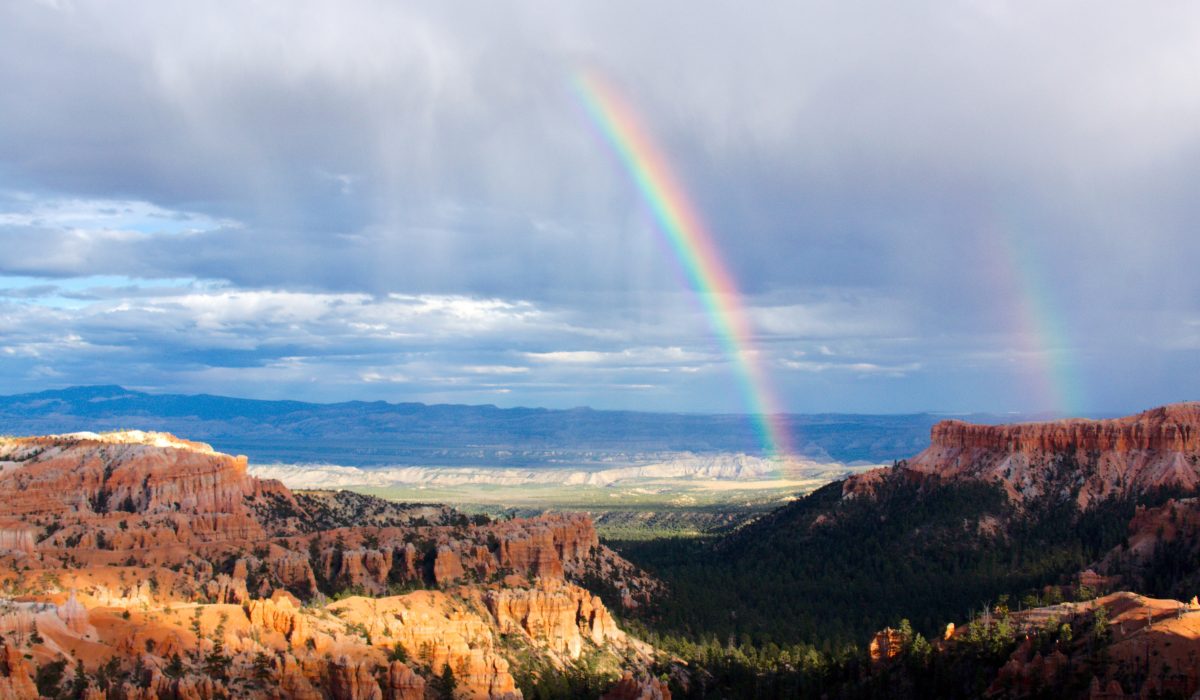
x=925, y=184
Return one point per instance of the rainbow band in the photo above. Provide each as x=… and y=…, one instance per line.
x=1042, y=334
x=693, y=245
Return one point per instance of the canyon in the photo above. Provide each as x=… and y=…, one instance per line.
x=141, y=565
x=152, y=566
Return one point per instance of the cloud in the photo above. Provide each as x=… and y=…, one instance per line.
x=365, y=185
x=858, y=368
x=495, y=369
x=644, y=356
x=23, y=209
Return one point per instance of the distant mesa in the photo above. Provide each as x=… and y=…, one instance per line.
x=1155, y=449
x=1174, y=427
x=1159, y=448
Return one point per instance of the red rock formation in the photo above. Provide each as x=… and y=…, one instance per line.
x=560, y=615
x=16, y=675
x=152, y=499
x=630, y=688
x=293, y=682
x=292, y=569
x=1151, y=647
x=225, y=589
x=148, y=547
x=1160, y=447
x=1172, y=428
x=279, y=614
x=447, y=567
x=17, y=540
x=547, y=546
x=404, y=561
x=359, y=568
x=1027, y=671
x=134, y=472
x=74, y=615
x=436, y=630
x=351, y=679
x=403, y=683
x=885, y=645
x=1152, y=527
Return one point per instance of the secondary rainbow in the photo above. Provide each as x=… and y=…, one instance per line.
x=1045, y=347
x=693, y=245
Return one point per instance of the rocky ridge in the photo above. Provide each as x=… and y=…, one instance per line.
x=1136, y=475
x=168, y=571
x=1090, y=459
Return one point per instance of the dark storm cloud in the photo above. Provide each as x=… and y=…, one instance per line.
x=926, y=204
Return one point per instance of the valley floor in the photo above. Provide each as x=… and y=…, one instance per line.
x=687, y=495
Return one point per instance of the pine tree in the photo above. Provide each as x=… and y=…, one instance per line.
x=79, y=683
x=174, y=669
x=445, y=684
x=262, y=666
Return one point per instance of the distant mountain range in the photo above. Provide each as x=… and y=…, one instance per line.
x=358, y=433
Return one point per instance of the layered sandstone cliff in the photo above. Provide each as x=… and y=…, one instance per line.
x=1092, y=459
x=162, y=559
x=154, y=499
x=146, y=474
x=559, y=615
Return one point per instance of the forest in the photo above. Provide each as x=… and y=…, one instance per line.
x=786, y=605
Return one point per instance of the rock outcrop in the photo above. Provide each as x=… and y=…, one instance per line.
x=559, y=615
x=1092, y=459
x=630, y=688
x=165, y=558
x=447, y=566
x=351, y=679
x=74, y=615
x=438, y=630
x=403, y=683
x=1149, y=647
x=130, y=472
x=280, y=615
x=154, y=499
x=17, y=541
x=16, y=675
x=885, y=645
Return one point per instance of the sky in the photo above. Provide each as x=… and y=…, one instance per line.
x=969, y=206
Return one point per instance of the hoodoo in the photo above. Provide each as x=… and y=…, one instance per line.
x=141, y=553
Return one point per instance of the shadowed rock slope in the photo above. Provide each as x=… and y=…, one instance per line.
x=1034, y=512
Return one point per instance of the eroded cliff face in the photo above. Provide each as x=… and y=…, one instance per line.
x=153, y=499
x=561, y=616
x=166, y=556
x=1091, y=458
x=134, y=472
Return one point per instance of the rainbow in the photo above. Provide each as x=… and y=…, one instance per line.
x=1040, y=330
x=693, y=245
